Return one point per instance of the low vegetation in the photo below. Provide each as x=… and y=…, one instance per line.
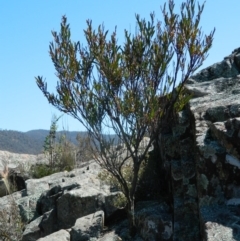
x=11, y=224
x=60, y=152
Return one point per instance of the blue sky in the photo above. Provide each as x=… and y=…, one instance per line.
x=25, y=33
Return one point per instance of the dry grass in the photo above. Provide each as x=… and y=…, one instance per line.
x=4, y=176
x=11, y=225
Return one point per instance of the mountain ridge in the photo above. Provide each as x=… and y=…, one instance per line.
x=30, y=142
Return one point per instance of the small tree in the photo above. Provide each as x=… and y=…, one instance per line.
x=127, y=90
x=59, y=150
x=50, y=141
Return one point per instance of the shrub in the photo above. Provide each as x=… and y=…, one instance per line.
x=112, y=88
x=59, y=152
x=41, y=170
x=64, y=161
x=106, y=177
x=11, y=224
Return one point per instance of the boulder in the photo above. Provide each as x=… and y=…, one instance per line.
x=88, y=227
x=78, y=203
x=220, y=222
x=18, y=169
x=55, y=202
x=32, y=230
x=217, y=121
x=41, y=226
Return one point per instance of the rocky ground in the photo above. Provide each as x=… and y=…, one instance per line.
x=76, y=205
x=200, y=156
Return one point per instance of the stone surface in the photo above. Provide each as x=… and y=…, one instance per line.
x=32, y=231
x=179, y=162
x=111, y=236
x=19, y=166
x=202, y=154
x=3, y=188
x=55, y=202
x=154, y=221
x=220, y=222
x=87, y=227
x=25, y=161
x=61, y=235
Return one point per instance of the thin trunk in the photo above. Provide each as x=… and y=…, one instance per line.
x=131, y=199
x=131, y=218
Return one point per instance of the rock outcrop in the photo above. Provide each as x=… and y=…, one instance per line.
x=18, y=169
x=58, y=201
x=200, y=163
x=202, y=154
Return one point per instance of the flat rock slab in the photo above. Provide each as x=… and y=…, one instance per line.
x=61, y=235
x=81, y=202
x=221, y=223
x=25, y=160
x=111, y=236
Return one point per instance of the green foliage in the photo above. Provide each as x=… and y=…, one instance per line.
x=112, y=88
x=60, y=153
x=183, y=99
x=50, y=142
x=120, y=201
x=41, y=170
x=65, y=162
x=127, y=171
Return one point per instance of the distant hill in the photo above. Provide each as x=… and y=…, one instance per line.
x=19, y=142
x=30, y=142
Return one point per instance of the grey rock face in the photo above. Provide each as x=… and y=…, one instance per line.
x=33, y=231
x=88, y=227
x=61, y=235
x=18, y=166
x=57, y=201
x=111, y=236
x=203, y=154
x=154, y=221
x=228, y=68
